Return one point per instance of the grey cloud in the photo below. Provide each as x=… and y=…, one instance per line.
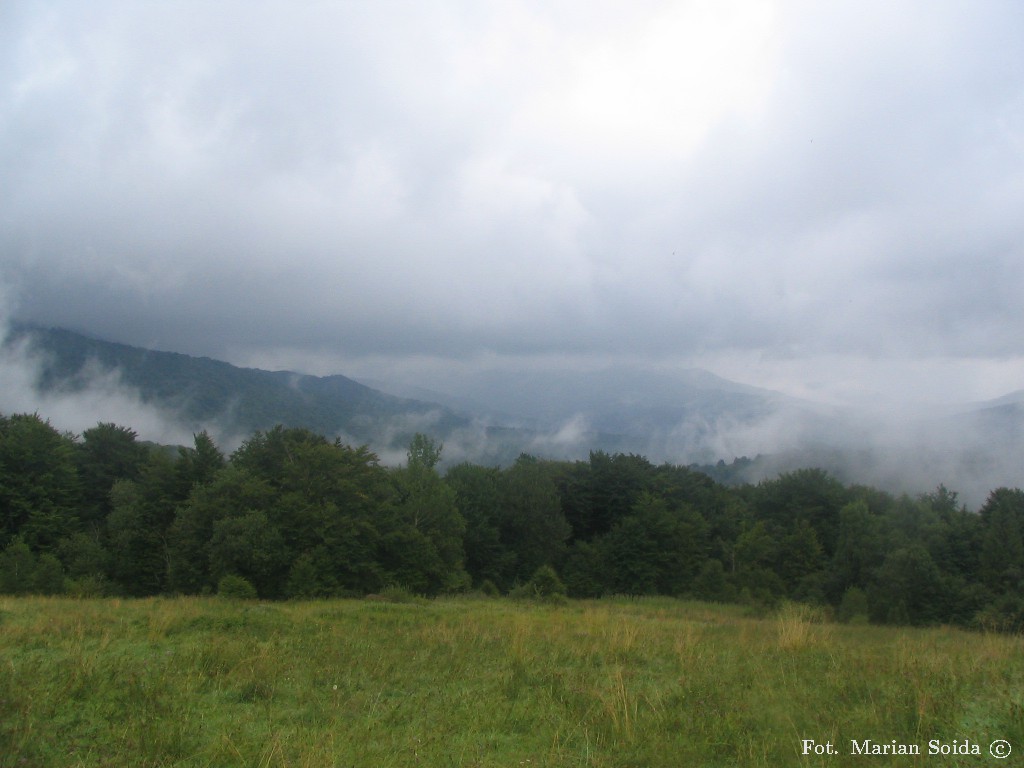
x=442, y=179
x=102, y=398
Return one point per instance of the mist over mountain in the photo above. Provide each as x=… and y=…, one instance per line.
x=491, y=416
x=199, y=393
x=972, y=452
x=737, y=433
x=683, y=416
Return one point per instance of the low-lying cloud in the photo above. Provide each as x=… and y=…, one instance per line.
x=99, y=395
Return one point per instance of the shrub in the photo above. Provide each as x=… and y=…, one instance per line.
x=543, y=585
x=396, y=593
x=236, y=588
x=48, y=578
x=303, y=579
x=91, y=585
x=17, y=568
x=711, y=584
x=1003, y=615
x=854, y=607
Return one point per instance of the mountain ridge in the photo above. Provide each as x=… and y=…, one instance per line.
x=695, y=419
x=562, y=417
x=202, y=390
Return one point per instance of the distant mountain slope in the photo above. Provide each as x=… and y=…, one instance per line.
x=486, y=417
x=689, y=417
x=683, y=417
x=678, y=416
x=615, y=398
x=200, y=391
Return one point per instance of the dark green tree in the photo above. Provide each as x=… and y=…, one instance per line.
x=860, y=550
x=201, y=463
x=138, y=526
x=39, y=490
x=711, y=583
x=801, y=562
x=17, y=568
x=811, y=495
x=956, y=547
x=305, y=579
x=615, y=483
x=233, y=492
x=584, y=572
x=87, y=563
x=756, y=551
x=572, y=484
x=532, y=525
x=107, y=453
x=853, y=607
x=135, y=545
x=426, y=504
x=478, y=498
x=410, y=560
x=908, y=588
x=654, y=550
x=49, y=575
x=329, y=501
x=249, y=546
x=1002, y=541
x=310, y=474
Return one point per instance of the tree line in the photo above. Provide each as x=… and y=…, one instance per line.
x=293, y=514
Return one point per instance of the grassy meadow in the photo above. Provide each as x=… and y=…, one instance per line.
x=477, y=682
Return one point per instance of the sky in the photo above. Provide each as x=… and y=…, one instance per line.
x=820, y=198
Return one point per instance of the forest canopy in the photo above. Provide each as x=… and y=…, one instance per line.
x=293, y=514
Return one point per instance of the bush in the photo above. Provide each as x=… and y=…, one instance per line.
x=92, y=585
x=759, y=603
x=543, y=585
x=48, y=578
x=303, y=579
x=711, y=584
x=854, y=607
x=236, y=588
x=1005, y=614
x=17, y=569
x=396, y=593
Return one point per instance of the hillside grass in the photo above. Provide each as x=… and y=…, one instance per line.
x=474, y=682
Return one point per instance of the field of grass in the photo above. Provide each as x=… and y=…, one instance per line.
x=474, y=682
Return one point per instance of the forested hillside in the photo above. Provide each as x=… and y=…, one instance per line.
x=199, y=391
x=296, y=515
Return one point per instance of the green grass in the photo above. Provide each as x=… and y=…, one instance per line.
x=471, y=682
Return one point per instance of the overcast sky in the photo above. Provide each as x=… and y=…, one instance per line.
x=826, y=198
